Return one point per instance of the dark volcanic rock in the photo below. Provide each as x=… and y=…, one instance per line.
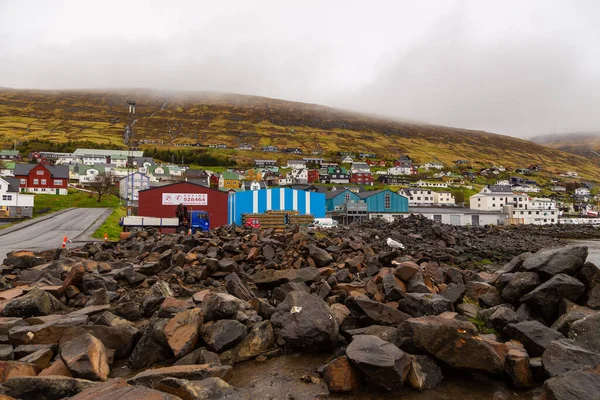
x=85, y=356
x=585, y=332
x=321, y=256
x=563, y=355
x=549, y=262
x=580, y=385
x=371, y=312
x=259, y=340
x=341, y=376
x=280, y=292
x=222, y=334
x=381, y=362
x=152, y=346
x=421, y=304
x=454, y=292
x=424, y=373
x=270, y=278
x=44, y=387
x=305, y=322
x=36, y=302
x=521, y=284
x=151, y=377
x=545, y=298
x=155, y=296
x=236, y=287
x=534, y=336
x=222, y=306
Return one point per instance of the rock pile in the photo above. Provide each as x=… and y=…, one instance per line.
x=168, y=316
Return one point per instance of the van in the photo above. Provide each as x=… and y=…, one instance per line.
x=323, y=223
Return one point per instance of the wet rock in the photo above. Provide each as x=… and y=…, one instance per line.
x=580, y=385
x=454, y=292
x=381, y=362
x=182, y=331
x=36, y=302
x=517, y=365
x=236, y=287
x=151, y=377
x=200, y=356
x=270, y=278
x=222, y=334
x=549, y=262
x=341, y=376
x=371, y=312
x=453, y=341
x=424, y=373
x=521, y=284
x=585, y=332
x=420, y=304
x=152, y=346
x=12, y=369
x=563, y=355
x=222, y=306
x=321, y=257
x=155, y=296
x=406, y=270
x=305, y=321
x=280, y=292
x=260, y=339
x=534, y=336
x=545, y=298
x=85, y=356
x=44, y=387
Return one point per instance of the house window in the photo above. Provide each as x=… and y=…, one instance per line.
x=388, y=201
x=347, y=197
x=58, y=182
x=7, y=197
x=36, y=181
x=39, y=172
x=23, y=181
x=43, y=181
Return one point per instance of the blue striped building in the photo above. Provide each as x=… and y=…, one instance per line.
x=260, y=201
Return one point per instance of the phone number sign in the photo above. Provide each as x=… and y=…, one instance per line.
x=189, y=199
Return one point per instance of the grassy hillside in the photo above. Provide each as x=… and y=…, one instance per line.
x=582, y=144
x=211, y=118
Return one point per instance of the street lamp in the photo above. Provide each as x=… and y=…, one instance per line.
x=129, y=135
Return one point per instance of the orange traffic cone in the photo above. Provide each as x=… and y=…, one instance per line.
x=64, y=244
x=105, y=237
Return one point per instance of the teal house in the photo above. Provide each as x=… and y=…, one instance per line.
x=384, y=201
x=335, y=199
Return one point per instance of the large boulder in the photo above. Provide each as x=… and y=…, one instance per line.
x=270, y=278
x=381, y=362
x=182, y=331
x=545, y=298
x=152, y=346
x=48, y=333
x=454, y=341
x=520, y=284
x=534, y=336
x=35, y=302
x=320, y=256
x=44, y=387
x=370, y=312
x=585, y=332
x=341, y=376
x=222, y=306
x=155, y=296
x=206, y=389
x=260, y=339
x=305, y=322
x=151, y=377
x=85, y=357
x=421, y=304
x=549, y=262
x=11, y=369
x=223, y=334
x=236, y=287
x=424, y=373
x=563, y=355
x=580, y=385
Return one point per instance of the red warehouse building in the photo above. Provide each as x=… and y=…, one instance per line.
x=162, y=201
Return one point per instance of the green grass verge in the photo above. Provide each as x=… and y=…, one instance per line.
x=111, y=225
x=46, y=203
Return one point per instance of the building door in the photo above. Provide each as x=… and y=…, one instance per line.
x=57, y=191
x=475, y=220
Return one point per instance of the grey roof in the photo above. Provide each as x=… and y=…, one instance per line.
x=57, y=171
x=334, y=194
x=500, y=188
x=23, y=169
x=13, y=184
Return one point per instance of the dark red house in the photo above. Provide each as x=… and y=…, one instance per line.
x=43, y=178
x=313, y=175
x=162, y=201
x=361, y=178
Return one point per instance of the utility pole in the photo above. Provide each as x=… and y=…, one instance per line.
x=129, y=137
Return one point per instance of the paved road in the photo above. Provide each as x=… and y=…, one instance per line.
x=46, y=233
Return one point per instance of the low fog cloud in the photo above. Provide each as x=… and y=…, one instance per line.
x=512, y=68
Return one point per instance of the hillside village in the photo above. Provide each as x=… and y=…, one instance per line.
x=356, y=186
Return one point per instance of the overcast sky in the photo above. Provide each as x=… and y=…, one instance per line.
x=521, y=68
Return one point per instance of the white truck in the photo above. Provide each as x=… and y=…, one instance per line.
x=323, y=223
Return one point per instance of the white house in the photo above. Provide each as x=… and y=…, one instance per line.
x=431, y=184
x=360, y=167
x=503, y=182
x=296, y=164
x=67, y=159
x=571, y=174
x=582, y=191
x=88, y=176
x=522, y=187
x=423, y=197
x=130, y=186
x=492, y=198
x=433, y=165
x=443, y=198
x=13, y=203
x=299, y=176
x=402, y=170
x=91, y=159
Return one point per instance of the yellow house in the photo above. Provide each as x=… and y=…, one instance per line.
x=229, y=180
